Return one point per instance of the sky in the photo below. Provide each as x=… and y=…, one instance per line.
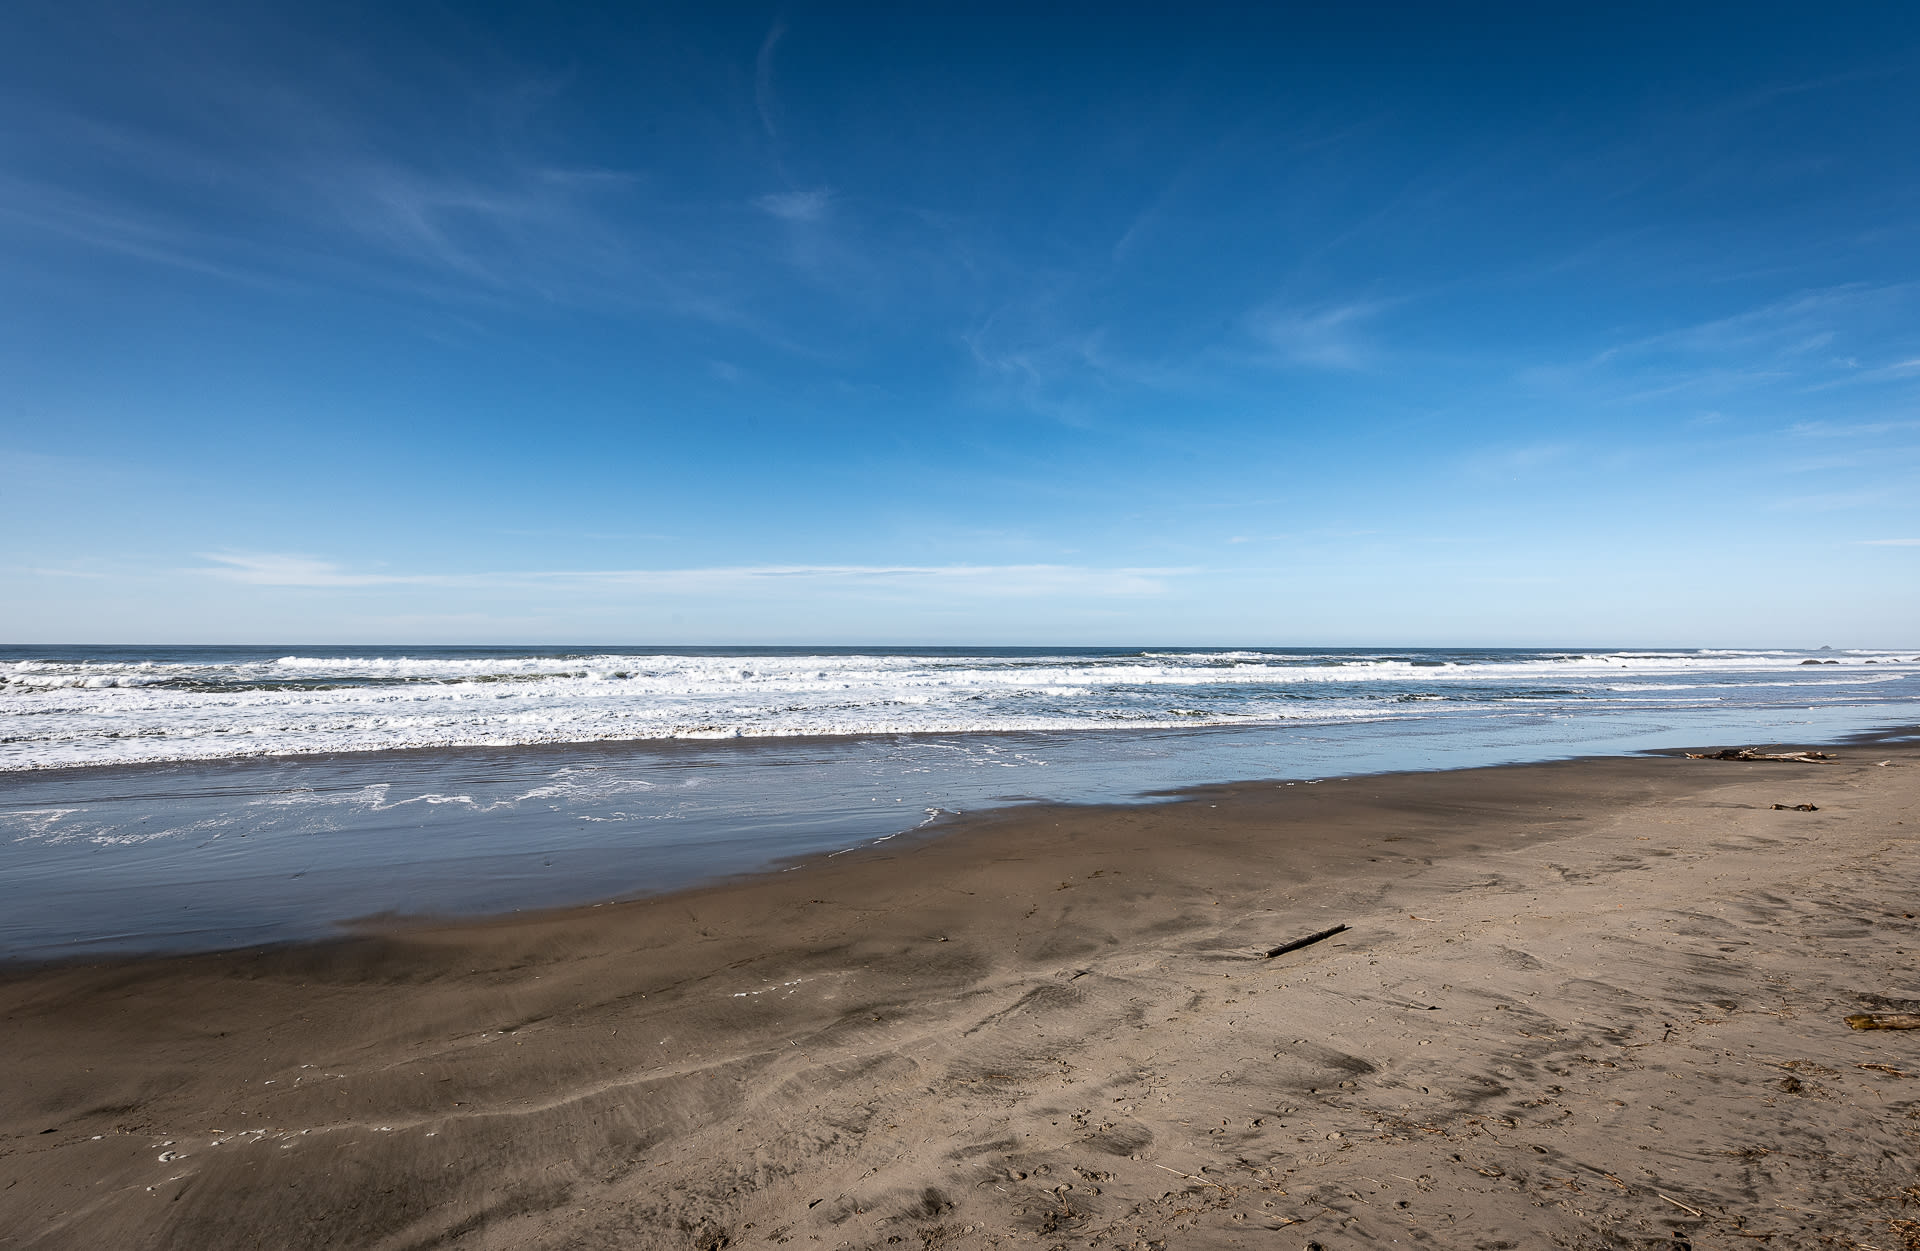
x=804, y=323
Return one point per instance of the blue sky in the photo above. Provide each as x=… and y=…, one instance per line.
x=813, y=323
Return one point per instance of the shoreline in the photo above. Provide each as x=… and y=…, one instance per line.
x=1595, y=1001
x=613, y=872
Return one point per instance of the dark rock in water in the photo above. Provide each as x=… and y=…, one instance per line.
x=1809, y=662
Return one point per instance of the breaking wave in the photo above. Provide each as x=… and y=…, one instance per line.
x=67, y=707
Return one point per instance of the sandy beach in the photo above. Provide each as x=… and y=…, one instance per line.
x=1588, y=1004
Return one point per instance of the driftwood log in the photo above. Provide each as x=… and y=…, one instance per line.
x=1308, y=941
x=1749, y=753
x=1885, y=1020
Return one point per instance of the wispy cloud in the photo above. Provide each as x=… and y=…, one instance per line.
x=77, y=218
x=1855, y=373
x=1045, y=376
x=1834, y=501
x=282, y=569
x=598, y=535
x=797, y=206
x=763, y=98
x=1797, y=324
x=1796, y=330
x=1324, y=337
x=1049, y=350
x=1321, y=535
x=1845, y=430
x=310, y=187
x=300, y=571
x=488, y=228
x=964, y=579
x=1516, y=461
x=1810, y=340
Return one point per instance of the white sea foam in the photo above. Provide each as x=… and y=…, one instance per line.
x=59, y=712
x=32, y=824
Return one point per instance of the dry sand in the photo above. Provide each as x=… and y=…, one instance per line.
x=1591, y=1004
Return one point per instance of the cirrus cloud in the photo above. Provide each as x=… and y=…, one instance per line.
x=277, y=569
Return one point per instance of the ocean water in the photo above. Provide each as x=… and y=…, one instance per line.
x=158, y=799
x=101, y=706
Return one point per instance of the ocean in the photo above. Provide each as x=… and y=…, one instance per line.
x=184, y=798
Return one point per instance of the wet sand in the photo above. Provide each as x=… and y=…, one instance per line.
x=1588, y=1004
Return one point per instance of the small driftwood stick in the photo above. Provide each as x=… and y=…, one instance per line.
x=1308, y=941
x=1676, y=1203
x=1885, y=1020
x=1191, y=1177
